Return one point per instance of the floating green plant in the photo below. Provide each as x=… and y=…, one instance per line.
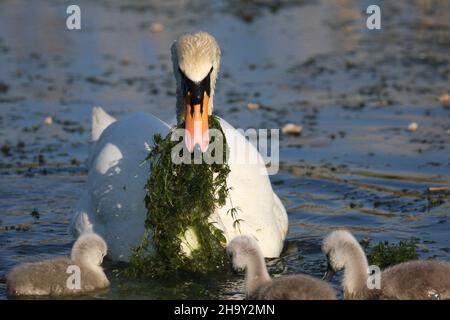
x=6, y=150
x=182, y=197
x=385, y=254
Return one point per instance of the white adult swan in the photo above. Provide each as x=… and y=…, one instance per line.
x=112, y=204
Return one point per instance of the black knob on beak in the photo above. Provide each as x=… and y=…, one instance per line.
x=196, y=90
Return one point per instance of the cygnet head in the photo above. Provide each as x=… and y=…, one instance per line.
x=196, y=62
x=90, y=249
x=340, y=247
x=243, y=250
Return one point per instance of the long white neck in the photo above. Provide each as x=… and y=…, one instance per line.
x=355, y=274
x=256, y=273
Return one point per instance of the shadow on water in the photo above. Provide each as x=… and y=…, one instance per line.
x=354, y=91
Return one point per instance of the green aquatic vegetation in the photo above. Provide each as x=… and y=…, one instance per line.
x=6, y=150
x=21, y=146
x=385, y=254
x=33, y=128
x=278, y=182
x=181, y=197
x=74, y=161
x=435, y=201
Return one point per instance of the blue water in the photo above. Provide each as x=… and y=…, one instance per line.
x=309, y=62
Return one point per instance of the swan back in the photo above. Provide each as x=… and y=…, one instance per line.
x=417, y=280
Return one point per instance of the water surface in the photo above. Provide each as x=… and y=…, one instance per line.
x=309, y=62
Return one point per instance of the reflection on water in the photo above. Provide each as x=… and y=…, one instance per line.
x=306, y=61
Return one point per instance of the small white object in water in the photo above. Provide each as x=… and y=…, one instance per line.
x=63, y=276
x=292, y=128
x=445, y=100
x=156, y=27
x=413, y=126
x=252, y=106
x=48, y=120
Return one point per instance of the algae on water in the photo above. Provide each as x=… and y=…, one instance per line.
x=181, y=197
x=385, y=254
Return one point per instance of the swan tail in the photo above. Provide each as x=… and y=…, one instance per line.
x=100, y=121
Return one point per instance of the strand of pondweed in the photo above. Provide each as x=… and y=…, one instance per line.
x=181, y=197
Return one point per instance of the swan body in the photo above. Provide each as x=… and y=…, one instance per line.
x=112, y=204
x=50, y=277
x=246, y=255
x=416, y=280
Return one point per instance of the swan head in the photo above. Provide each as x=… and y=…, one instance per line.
x=90, y=249
x=242, y=251
x=196, y=62
x=338, y=247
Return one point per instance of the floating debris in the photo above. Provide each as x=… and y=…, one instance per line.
x=6, y=150
x=448, y=132
x=74, y=161
x=125, y=62
x=41, y=159
x=23, y=227
x=156, y=27
x=434, y=202
x=292, y=128
x=445, y=100
x=3, y=87
x=35, y=214
x=21, y=146
x=252, y=106
x=17, y=227
x=437, y=189
x=33, y=128
x=48, y=120
x=413, y=126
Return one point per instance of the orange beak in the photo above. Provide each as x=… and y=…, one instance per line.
x=196, y=131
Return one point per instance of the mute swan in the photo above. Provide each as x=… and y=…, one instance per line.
x=408, y=280
x=112, y=204
x=53, y=277
x=247, y=255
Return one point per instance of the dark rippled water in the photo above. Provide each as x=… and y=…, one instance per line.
x=310, y=62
